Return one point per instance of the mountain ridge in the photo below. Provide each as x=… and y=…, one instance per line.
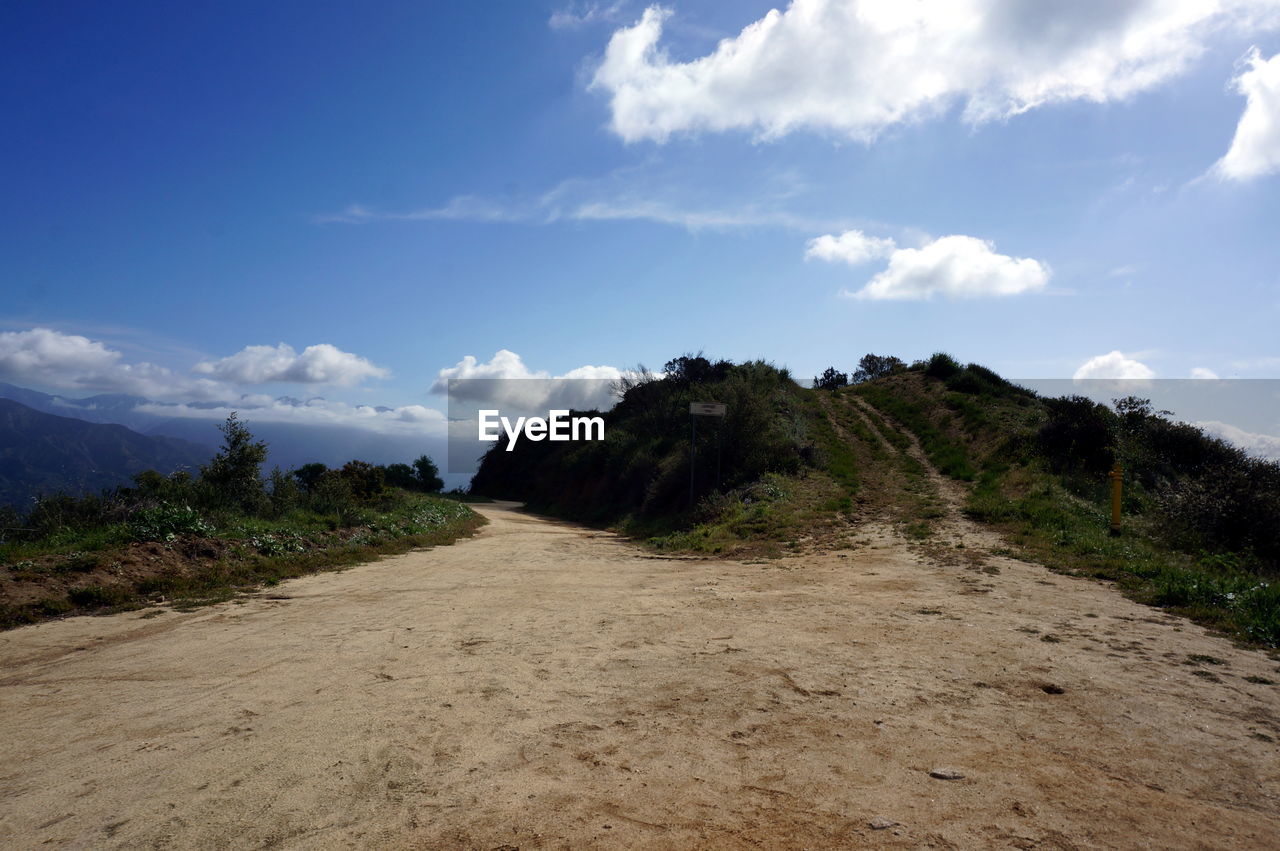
x=43, y=453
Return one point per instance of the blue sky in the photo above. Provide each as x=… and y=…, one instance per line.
x=407, y=184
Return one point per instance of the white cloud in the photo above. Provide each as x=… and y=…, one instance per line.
x=406, y=420
x=1204, y=373
x=1255, y=150
x=319, y=364
x=576, y=16
x=1262, y=445
x=51, y=358
x=43, y=352
x=852, y=247
x=503, y=364
x=507, y=382
x=1113, y=366
x=469, y=208
x=856, y=67
x=955, y=267
x=624, y=195
x=678, y=215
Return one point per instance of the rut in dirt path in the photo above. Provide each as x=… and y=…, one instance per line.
x=953, y=495
x=902, y=484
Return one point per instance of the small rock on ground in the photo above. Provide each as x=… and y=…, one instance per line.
x=946, y=774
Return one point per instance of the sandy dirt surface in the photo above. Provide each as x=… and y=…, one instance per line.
x=548, y=686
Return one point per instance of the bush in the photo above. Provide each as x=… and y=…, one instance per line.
x=1231, y=509
x=641, y=468
x=234, y=476
x=366, y=480
x=428, y=475
x=308, y=475
x=165, y=521
x=695, y=369
x=283, y=493
x=96, y=596
x=876, y=366
x=401, y=476
x=941, y=365
x=832, y=379
x=1077, y=438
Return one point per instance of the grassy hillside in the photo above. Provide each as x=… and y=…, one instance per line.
x=1201, y=531
x=185, y=539
x=803, y=466
x=639, y=475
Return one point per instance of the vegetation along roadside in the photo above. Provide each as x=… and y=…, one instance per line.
x=189, y=540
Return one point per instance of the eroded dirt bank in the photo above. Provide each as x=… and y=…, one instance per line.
x=546, y=686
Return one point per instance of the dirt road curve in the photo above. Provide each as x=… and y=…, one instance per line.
x=545, y=686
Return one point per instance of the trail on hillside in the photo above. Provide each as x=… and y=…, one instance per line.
x=548, y=686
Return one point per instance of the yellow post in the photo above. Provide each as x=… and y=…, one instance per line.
x=1117, y=485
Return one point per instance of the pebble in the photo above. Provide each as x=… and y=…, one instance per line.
x=946, y=774
x=881, y=823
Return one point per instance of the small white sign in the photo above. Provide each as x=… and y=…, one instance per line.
x=707, y=409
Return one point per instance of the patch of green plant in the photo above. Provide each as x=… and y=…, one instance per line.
x=918, y=531
x=777, y=509
x=267, y=554
x=165, y=522
x=841, y=460
x=948, y=455
x=1066, y=532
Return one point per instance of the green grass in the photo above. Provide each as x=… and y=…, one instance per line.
x=760, y=519
x=258, y=552
x=1063, y=531
x=944, y=452
x=841, y=462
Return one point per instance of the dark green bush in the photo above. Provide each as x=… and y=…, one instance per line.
x=366, y=480
x=876, y=366
x=941, y=365
x=831, y=379
x=642, y=465
x=1078, y=437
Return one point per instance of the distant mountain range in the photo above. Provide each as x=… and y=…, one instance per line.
x=41, y=453
x=289, y=445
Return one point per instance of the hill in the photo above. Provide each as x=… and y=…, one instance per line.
x=806, y=468
x=42, y=453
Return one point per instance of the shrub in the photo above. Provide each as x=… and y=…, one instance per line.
x=832, y=379
x=876, y=366
x=166, y=521
x=283, y=493
x=641, y=468
x=94, y=596
x=941, y=365
x=1077, y=436
x=401, y=476
x=366, y=480
x=332, y=493
x=234, y=476
x=308, y=475
x=428, y=475
x=695, y=369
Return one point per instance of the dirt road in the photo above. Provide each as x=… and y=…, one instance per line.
x=546, y=686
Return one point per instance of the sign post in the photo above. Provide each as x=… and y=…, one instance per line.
x=702, y=409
